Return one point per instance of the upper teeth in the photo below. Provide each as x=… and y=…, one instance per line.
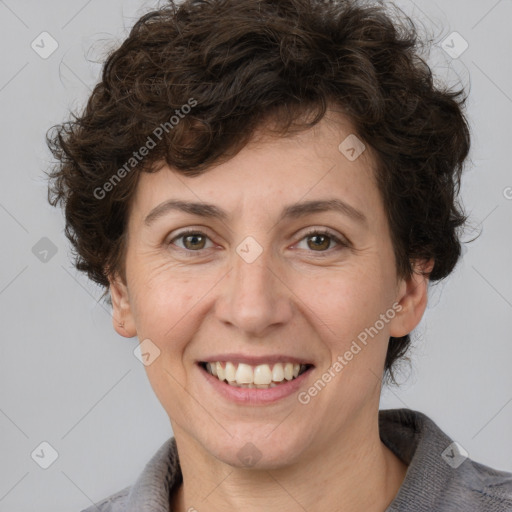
x=262, y=374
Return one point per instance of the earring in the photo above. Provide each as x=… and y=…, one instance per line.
x=121, y=325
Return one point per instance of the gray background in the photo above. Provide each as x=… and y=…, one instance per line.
x=68, y=379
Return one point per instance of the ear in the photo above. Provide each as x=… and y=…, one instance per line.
x=412, y=297
x=122, y=316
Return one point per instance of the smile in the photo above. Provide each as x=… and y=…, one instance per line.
x=262, y=376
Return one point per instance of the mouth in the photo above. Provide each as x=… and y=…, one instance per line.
x=262, y=376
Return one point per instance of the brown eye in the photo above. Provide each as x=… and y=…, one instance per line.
x=193, y=241
x=319, y=241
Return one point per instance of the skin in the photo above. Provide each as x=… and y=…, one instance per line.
x=327, y=454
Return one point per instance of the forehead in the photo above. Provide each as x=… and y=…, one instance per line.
x=273, y=171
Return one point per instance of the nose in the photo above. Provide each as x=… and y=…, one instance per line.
x=255, y=298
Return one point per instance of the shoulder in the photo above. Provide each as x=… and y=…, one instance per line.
x=113, y=503
x=490, y=488
x=151, y=489
x=441, y=475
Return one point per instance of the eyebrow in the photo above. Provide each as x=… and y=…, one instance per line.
x=293, y=211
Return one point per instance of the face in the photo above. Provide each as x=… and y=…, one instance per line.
x=266, y=285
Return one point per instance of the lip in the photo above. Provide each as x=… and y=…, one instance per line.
x=254, y=360
x=255, y=396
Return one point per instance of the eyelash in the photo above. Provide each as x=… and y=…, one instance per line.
x=310, y=233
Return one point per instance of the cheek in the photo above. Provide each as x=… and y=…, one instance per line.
x=166, y=312
x=162, y=307
x=344, y=302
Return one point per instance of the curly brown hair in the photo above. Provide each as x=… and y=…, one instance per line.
x=236, y=63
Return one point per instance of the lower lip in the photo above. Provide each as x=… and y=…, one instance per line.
x=255, y=396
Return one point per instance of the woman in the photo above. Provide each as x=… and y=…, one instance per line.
x=265, y=189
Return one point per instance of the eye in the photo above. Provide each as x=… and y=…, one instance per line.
x=193, y=241
x=320, y=240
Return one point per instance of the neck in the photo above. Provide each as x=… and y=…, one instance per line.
x=352, y=472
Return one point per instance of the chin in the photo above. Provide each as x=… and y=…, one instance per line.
x=252, y=451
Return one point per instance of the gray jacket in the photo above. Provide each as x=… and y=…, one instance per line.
x=440, y=477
